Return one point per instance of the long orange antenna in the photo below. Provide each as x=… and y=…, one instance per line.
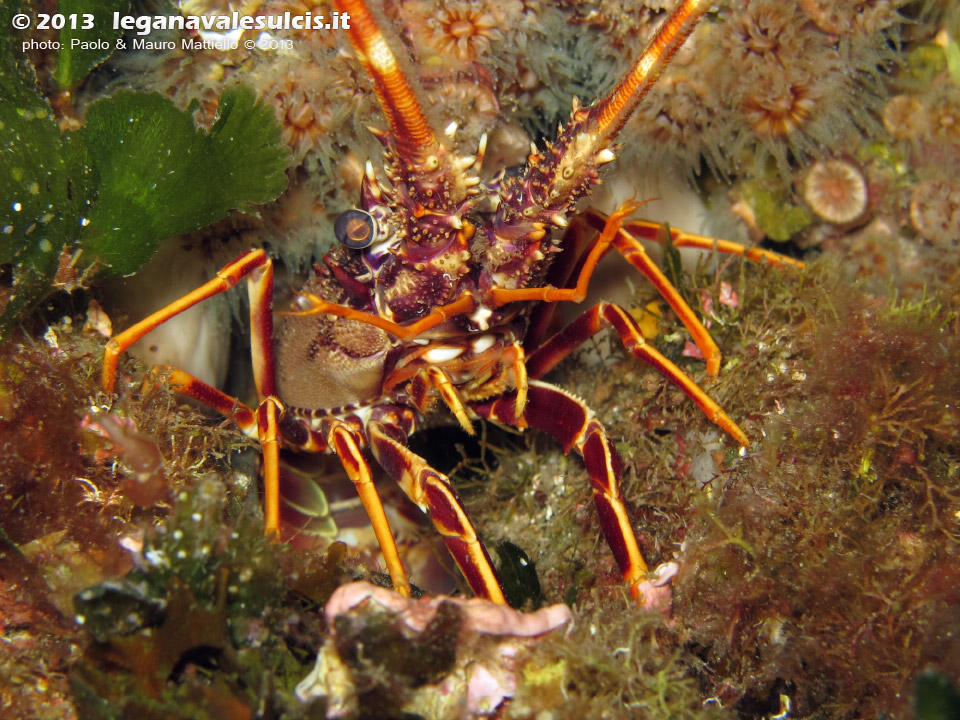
x=614, y=110
x=409, y=127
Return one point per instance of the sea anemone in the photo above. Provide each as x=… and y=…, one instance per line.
x=935, y=212
x=464, y=31
x=786, y=77
x=468, y=98
x=836, y=190
x=304, y=114
x=847, y=17
x=905, y=118
x=776, y=109
x=944, y=113
x=458, y=33
x=680, y=115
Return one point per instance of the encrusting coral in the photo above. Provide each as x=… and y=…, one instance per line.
x=456, y=657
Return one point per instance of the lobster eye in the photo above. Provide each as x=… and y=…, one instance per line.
x=355, y=228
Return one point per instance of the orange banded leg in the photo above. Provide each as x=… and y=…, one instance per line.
x=651, y=231
x=595, y=319
x=346, y=442
x=574, y=242
x=574, y=426
x=227, y=405
x=432, y=492
x=254, y=264
x=626, y=243
x=258, y=269
x=264, y=423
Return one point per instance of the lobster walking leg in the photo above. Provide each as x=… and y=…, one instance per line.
x=432, y=492
x=651, y=231
x=227, y=405
x=598, y=317
x=626, y=243
x=259, y=269
x=346, y=442
x=574, y=426
x=263, y=423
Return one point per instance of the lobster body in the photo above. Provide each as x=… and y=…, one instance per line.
x=439, y=234
x=440, y=291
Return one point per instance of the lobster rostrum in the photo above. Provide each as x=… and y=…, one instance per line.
x=440, y=291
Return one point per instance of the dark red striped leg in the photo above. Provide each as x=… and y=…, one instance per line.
x=227, y=405
x=597, y=318
x=573, y=425
x=431, y=491
x=346, y=441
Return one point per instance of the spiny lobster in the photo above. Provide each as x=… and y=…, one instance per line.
x=441, y=290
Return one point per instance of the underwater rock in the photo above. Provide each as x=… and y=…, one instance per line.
x=440, y=657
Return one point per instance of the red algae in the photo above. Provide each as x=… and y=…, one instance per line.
x=841, y=583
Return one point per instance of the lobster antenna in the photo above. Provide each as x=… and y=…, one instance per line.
x=612, y=112
x=414, y=137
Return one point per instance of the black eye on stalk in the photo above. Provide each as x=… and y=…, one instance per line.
x=356, y=229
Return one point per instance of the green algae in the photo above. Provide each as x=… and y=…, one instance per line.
x=75, y=61
x=777, y=215
x=38, y=212
x=137, y=172
x=158, y=175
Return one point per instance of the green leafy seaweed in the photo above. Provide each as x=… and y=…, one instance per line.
x=137, y=172
x=82, y=48
x=158, y=175
x=38, y=212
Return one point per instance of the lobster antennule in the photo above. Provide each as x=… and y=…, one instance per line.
x=409, y=127
x=611, y=112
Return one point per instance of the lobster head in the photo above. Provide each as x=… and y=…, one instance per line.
x=436, y=230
